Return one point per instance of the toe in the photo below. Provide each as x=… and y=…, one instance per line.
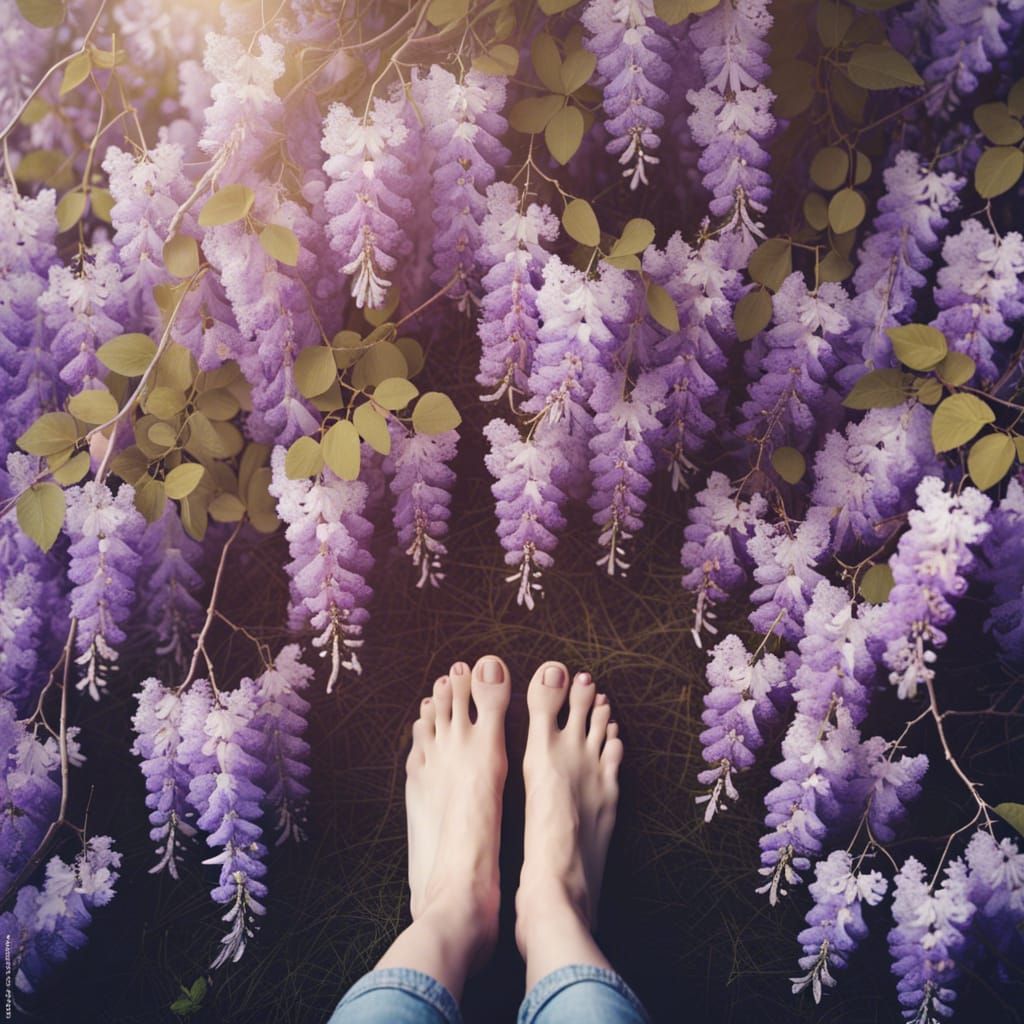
x=546, y=694
x=611, y=754
x=581, y=700
x=458, y=676
x=599, y=719
x=491, y=689
x=442, y=702
x=428, y=715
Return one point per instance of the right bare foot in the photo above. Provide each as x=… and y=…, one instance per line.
x=571, y=777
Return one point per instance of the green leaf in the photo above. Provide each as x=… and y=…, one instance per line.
x=998, y=170
x=151, y=500
x=792, y=81
x=753, y=314
x=816, y=210
x=204, y=442
x=226, y=205
x=990, y=459
x=876, y=584
x=547, y=62
x=373, y=428
x=281, y=243
x=627, y=262
x=918, y=346
x=380, y=362
x=577, y=68
x=102, y=203
x=501, y=60
x=997, y=124
x=531, y=116
x=862, y=169
x=218, y=404
x=834, y=267
x=877, y=389
x=636, y=236
x=956, y=369
x=846, y=210
x=580, y=223
x=227, y=508
x=1015, y=99
x=303, y=459
x=181, y=255
x=163, y=435
x=39, y=165
x=412, y=352
x=443, y=12
x=1012, y=814
x=878, y=67
x=435, y=414
x=830, y=168
x=198, y=989
x=76, y=71
x=564, y=133
x=165, y=402
x=380, y=315
x=662, y=307
x=73, y=470
x=127, y=354
x=315, y=371
x=833, y=21
x=70, y=210
x=181, y=481
x=928, y=390
x=42, y=13
x=93, y=406
x=957, y=420
x=550, y=7
x=394, y=393
x=342, y=450
x=789, y=464
x=771, y=263
x=40, y=512
x=53, y=432
x=129, y=464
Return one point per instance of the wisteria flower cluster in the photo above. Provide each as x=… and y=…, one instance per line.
x=685, y=248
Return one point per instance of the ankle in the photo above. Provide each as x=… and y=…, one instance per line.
x=466, y=913
x=547, y=904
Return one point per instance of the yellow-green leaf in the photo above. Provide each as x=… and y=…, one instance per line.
x=636, y=236
x=531, y=116
x=753, y=314
x=281, y=243
x=73, y=470
x=226, y=205
x=53, y=432
x=830, y=168
x=93, y=406
x=181, y=481
x=127, y=354
x=957, y=420
x=380, y=362
x=70, y=210
x=501, y=60
x=833, y=21
x=218, y=404
x=130, y=464
x=876, y=584
x=102, y=203
x=204, y=442
x=564, y=133
x=997, y=124
x=662, y=307
x=918, y=346
x=577, y=68
x=394, y=393
x=816, y=210
x=379, y=315
x=834, y=267
x=956, y=369
x=434, y=414
x=550, y=7
x=990, y=459
x=1015, y=98
x=876, y=67
x=1012, y=814
x=861, y=169
x=303, y=459
x=226, y=508
x=181, y=255
x=580, y=223
x=877, y=389
x=373, y=428
x=846, y=210
x=928, y=390
x=163, y=435
x=42, y=13
x=165, y=402
x=315, y=371
x=442, y=12
x=998, y=170
x=412, y=352
x=194, y=514
x=547, y=61
x=342, y=450
x=789, y=464
x=40, y=512
x=76, y=71
x=771, y=263
x=39, y=165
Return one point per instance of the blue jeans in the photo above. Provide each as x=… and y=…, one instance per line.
x=579, y=994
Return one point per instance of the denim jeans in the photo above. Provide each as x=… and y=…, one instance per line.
x=579, y=994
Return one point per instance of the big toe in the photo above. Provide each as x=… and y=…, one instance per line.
x=491, y=688
x=547, y=693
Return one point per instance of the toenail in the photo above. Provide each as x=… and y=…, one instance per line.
x=554, y=675
x=492, y=671
x=426, y=700
x=459, y=668
x=583, y=678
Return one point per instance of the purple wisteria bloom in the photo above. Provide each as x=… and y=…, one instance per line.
x=997, y=890
x=1003, y=568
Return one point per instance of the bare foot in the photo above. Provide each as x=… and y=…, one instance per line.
x=571, y=777
x=455, y=776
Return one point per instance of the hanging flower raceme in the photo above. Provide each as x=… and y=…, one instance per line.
x=327, y=540
x=928, y=938
x=50, y=922
x=465, y=123
x=282, y=718
x=227, y=799
x=980, y=293
x=714, y=550
x=997, y=890
x=835, y=923
x=421, y=483
x=511, y=248
x=106, y=533
x=1003, y=568
x=25, y=49
x=895, y=256
x=738, y=710
x=732, y=117
x=367, y=200
x=634, y=62
x=929, y=569
x=158, y=733
x=887, y=784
